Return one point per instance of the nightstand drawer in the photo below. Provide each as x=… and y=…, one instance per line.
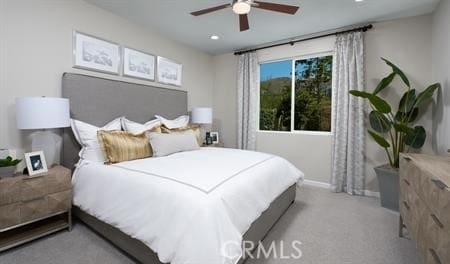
x=9, y=215
x=59, y=202
x=34, y=209
x=58, y=181
x=10, y=190
x=33, y=187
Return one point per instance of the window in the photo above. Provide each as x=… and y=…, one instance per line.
x=310, y=86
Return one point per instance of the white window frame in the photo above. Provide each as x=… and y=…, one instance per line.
x=293, y=131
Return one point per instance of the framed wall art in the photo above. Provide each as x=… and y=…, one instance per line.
x=96, y=54
x=138, y=64
x=169, y=72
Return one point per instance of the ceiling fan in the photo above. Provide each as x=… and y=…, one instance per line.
x=243, y=7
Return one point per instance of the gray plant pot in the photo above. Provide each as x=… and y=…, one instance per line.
x=388, y=181
x=7, y=171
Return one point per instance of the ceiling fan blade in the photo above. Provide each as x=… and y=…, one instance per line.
x=287, y=9
x=243, y=22
x=209, y=10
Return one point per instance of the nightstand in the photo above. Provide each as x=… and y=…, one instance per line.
x=218, y=145
x=32, y=207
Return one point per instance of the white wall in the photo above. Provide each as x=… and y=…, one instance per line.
x=407, y=42
x=441, y=73
x=225, y=98
x=309, y=151
x=36, y=48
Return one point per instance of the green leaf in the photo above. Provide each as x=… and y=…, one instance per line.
x=9, y=161
x=379, y=122
x=397, y=70
x=384, y=83
x=408, y=117
x=416, y=139
x=379, y=139
x=360, y=94
x=407, y=101
x=404, y=129
x=380, y=104
x=426, y=95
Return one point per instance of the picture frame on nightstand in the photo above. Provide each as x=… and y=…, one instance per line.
x=215, y=137
x=36, y=164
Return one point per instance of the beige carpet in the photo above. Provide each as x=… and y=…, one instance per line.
x=333, y=228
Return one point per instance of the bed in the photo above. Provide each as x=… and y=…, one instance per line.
x=137, y=205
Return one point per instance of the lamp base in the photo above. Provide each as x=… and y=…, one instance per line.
x=50, y=143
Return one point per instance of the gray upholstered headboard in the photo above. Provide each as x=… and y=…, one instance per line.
x=97, y=101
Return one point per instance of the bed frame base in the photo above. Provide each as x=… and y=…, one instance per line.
x=142, y=253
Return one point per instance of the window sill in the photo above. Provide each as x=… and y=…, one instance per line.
x=310, y=133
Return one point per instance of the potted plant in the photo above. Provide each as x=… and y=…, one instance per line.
x=395, y=130
x=8, y=166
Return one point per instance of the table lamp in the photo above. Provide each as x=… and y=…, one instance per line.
x=43, y=113
x=202, y=116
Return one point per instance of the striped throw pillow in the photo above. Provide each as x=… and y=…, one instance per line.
x=118, y=146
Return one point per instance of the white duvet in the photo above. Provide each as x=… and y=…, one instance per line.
x=188, y=207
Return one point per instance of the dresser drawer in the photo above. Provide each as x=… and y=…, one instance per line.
x=437, y=197
x=437, y=238
x=407, y=168
x=59, y=202
x=9, y=191
x=34, y=209
x=33, y=187
x=9, y=215
x=431, y=257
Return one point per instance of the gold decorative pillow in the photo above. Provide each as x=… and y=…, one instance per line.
x=118, y=146
x=195, y=128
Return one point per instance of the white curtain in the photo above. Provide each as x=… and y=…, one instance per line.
x=248, y=81
x=348, y=119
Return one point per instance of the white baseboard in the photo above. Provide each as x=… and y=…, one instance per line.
x=326, y=185
x=371, y=194
x=323, y=185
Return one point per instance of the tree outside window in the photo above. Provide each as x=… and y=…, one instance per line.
x=312, y=93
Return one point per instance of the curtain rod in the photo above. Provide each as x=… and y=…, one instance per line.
x=292, y=42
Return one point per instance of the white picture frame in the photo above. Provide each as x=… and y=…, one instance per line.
x=169, y=72
x=36, y=163
x=215, y=137
x=138, y=64
x=95, y=54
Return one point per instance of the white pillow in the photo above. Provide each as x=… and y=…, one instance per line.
x=137, y=128
x=178, y=122
x=166, y=144
x=86, y=135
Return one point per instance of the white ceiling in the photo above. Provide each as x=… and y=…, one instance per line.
x=172, y=18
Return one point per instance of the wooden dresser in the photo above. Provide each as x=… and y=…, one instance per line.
x=425, y=205
x=31, y=207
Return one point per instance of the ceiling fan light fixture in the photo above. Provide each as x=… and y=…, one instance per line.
x=241, y=7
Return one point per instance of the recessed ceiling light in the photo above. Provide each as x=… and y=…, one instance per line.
x=359, y=0
x=214, y=37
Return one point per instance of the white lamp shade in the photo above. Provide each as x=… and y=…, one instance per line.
x=42, y=112
x=201, y=115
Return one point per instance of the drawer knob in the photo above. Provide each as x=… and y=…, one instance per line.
x=436, y=220
x=439, y=184
x=435, y=256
